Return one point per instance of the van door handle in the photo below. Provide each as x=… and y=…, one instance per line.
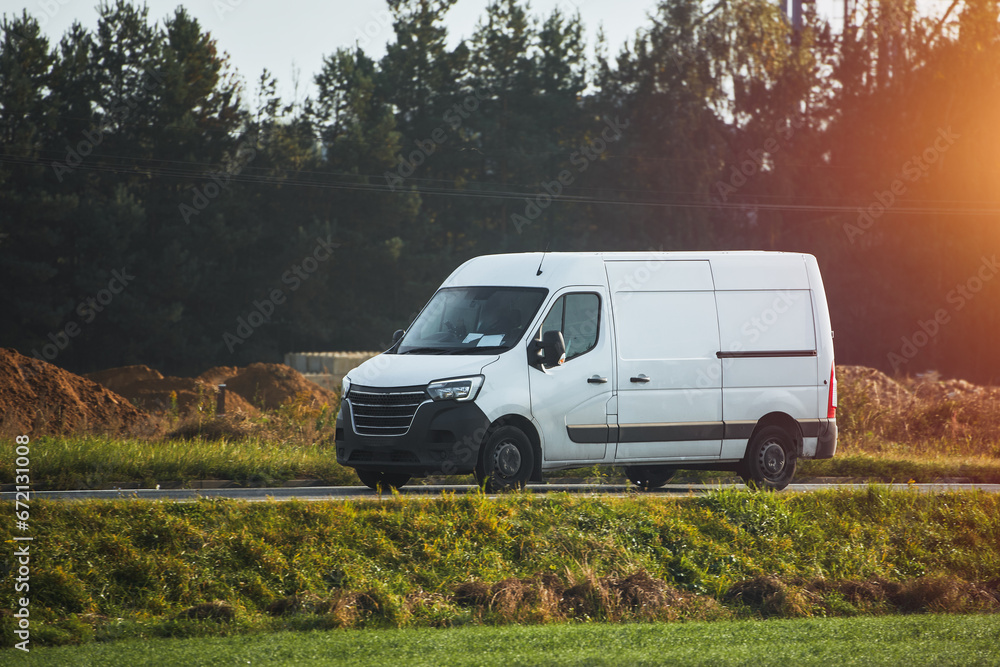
x=597, y=379
x=641, y=378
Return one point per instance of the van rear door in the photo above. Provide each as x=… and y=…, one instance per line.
x=669, y=377
x=769, y=343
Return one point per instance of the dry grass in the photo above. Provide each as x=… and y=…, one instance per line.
x=584, y=596
x=924, y=417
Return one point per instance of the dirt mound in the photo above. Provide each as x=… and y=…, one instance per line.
x=37, y=397
x=119, y=380
x=151, y=391
x=265, y=385
x=219, y=374
x=273, y=385
x=875, y=385
x=930, y=386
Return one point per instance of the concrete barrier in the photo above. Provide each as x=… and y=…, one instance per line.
x=327, y=369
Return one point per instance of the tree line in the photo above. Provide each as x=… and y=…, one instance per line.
x=154, y=209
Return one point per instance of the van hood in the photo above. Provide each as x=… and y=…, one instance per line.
x=405, y=370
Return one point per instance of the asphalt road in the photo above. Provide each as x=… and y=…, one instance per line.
x=421, y=491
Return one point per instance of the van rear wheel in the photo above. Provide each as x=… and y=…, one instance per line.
x=506, y=461
x=377, y=480
x=649, y=477
x=770, y=460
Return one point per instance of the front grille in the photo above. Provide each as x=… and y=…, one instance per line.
x=395, y=456
x=383, y=412
x=399, y=456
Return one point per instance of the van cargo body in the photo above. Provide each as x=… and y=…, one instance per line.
x=654, y=361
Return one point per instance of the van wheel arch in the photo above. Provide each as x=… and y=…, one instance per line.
x=529, y=430
x=772, y=452
x=785, y=421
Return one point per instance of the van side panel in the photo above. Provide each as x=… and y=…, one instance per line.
x=768, y=339
x=760, y=272
x=657, y=275
x=668, y=375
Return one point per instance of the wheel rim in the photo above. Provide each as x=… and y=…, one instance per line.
x=507, y=459
x=772, y=459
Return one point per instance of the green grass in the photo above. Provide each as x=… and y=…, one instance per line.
x=889, y=469
x=910, y=640
x=100, y=461
x=921, y=439
x=104, y=570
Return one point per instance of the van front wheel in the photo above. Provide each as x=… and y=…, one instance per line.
x=506, y=461
x=649, y=477
x=770, y=460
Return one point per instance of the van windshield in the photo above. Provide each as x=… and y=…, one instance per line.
x=472, y=320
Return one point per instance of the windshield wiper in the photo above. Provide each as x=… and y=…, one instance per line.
x=482, y=349
x=427, y=350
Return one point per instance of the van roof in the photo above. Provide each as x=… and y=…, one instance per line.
x=559, y=269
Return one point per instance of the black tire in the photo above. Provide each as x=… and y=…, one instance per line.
x=649, y=477
x=376, y=480
x=770, y=459
x=506, y=460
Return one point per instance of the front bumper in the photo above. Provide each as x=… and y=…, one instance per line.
x=443, y=439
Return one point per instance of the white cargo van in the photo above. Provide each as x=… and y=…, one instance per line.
x=654, y=361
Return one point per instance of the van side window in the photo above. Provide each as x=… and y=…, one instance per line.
x=578, y=317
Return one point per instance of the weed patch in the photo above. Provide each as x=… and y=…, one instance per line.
x=118, y=569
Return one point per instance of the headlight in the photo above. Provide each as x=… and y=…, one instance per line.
x=345, y=386
x=461, y=389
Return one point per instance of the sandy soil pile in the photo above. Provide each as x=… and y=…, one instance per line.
x=930, y=386
x=908, y=392
x=878, y=386
x=150, y=390
x=266, y=386
x=273, y=385
x=37, y=397
x=218, y=374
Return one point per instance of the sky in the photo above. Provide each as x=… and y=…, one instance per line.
x=294, y=35
x=291, y=38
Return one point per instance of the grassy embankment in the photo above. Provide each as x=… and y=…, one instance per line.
x=105, y=570
x=900, y=640
x=885, y=441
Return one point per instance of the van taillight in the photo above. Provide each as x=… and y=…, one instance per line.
x=831, y=406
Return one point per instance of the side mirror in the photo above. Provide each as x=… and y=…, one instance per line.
x=549, y=351
x=396, y=335
x=553, y=348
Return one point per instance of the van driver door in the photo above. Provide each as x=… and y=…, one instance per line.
x=570, y=402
